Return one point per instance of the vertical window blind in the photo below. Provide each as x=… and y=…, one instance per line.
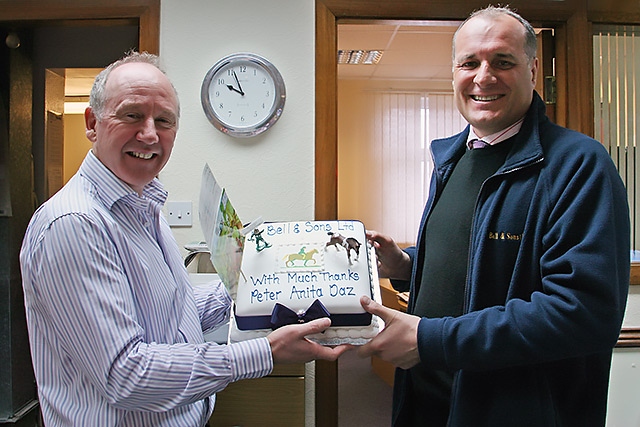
x=402, y=126
x=616, y=61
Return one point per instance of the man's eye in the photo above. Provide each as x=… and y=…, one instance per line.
x=503, y=65
x=165, y=122
x=468, y=65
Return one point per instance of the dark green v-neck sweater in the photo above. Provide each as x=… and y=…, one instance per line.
x=444, y=271
x=448, y=231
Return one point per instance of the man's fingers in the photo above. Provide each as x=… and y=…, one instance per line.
x=314, y=327
x=366, y=350
x=379, y=310
x=332, y=353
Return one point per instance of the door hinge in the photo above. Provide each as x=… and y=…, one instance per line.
x=550, y=89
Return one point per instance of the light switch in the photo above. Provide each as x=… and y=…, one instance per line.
x=179, y=214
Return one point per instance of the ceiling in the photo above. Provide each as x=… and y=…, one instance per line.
x=413, y=50
x=78, y=81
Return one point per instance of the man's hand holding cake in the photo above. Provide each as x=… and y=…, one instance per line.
x=287, y=345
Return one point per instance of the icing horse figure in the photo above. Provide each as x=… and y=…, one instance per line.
x=348, y=243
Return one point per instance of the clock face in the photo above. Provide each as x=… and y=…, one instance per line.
x=243, y=95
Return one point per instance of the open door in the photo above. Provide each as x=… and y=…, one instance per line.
x=568, y=25
x=53, y=131
x=18, y=399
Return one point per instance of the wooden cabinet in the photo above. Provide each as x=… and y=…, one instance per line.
x=275, y=400
x=391, y=299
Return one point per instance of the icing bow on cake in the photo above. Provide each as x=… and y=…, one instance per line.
x=283, y=315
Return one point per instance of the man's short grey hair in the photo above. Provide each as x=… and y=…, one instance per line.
x=98, y=97
x=530, y=40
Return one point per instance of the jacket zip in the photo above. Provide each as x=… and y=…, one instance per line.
x=465, y=306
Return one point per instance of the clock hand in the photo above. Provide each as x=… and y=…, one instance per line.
x=235, y=90
x=235, y=76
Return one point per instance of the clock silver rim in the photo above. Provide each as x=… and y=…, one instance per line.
x=274, y=113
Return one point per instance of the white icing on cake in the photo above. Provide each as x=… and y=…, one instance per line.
x=299, y=263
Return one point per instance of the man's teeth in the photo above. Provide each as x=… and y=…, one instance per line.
x=142, y=155
x=485, y=98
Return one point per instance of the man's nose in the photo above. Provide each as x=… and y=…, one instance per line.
x=484, y=74
x=148, y=132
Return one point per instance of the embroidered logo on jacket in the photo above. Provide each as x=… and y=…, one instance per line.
x=503, y=235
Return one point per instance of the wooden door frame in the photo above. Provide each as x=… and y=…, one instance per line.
x=147, y=12
x=572, y=21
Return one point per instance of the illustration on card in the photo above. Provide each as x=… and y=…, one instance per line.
x=222, y=228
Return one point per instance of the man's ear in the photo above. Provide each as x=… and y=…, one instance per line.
x=534, y=71
x=90, y=124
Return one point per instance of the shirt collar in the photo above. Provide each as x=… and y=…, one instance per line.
x=110, y=188
x=499, y=136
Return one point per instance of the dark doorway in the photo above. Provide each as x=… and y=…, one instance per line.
x=31, y=52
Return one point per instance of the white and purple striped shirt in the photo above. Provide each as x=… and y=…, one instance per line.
x=116, y=329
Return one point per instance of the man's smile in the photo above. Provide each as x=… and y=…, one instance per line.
x=485, y=98
x=145, y=156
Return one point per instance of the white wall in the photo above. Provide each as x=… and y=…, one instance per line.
x=632, y=315
x=623, y=409
x=624, y=387
x=271, y=175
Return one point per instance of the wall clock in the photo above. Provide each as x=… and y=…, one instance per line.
x=243, y=95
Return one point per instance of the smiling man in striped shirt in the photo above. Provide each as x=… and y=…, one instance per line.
x=116, y=329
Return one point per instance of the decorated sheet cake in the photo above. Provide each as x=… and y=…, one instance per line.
x=280, y=273
x=294, y=272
